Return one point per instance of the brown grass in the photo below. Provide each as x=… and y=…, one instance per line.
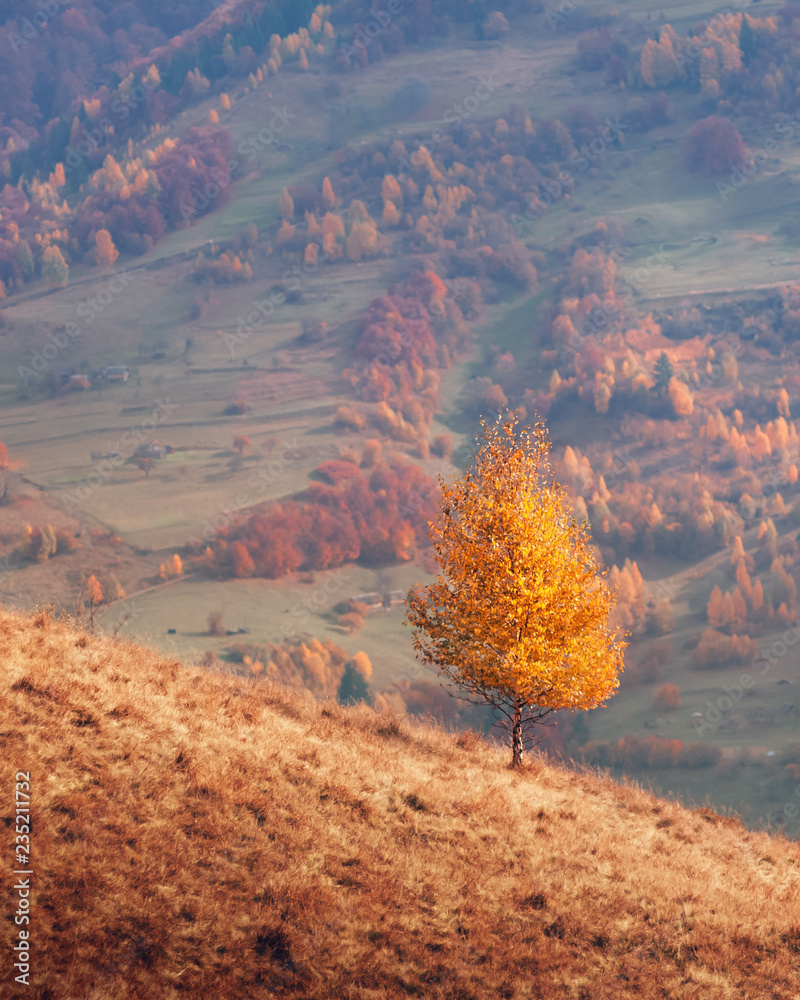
x=204, y=836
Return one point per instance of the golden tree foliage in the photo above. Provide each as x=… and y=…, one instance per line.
x=94, y=592
x=314, y=228
x=519, y=614
x=681, y=398
x=172, y=567
x=363, y=240
x=286, y=232
x=328, y=197
x=391, y=215
x=286, y=205
x=332, y=227
x=106, y=253
x=391, y=190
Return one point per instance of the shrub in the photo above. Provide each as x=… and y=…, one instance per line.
x=667, y=698
x=713, y=146
x=442, y=446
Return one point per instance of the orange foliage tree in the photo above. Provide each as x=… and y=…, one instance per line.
x=94, y=592
x=519, y=615
x=106, y=253
x=667, y=697
x=92, y=596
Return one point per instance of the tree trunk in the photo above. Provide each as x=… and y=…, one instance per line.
x=516, y=735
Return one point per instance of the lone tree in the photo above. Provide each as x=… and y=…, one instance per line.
x=145, y=464
x=518, y=617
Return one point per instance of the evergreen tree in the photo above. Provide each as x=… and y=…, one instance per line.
x=580, y=731
x=25, y=259
x=747, y=41
x=353, y=687
x=663, y=374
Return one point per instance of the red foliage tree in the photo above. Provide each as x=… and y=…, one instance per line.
x=194, y=177
x=243, y=565
x=397, y=329
x=594, y=48
x=375, y=517
x=667, y=698
x=713, y=146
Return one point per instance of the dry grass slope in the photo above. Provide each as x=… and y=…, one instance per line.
x=198, y=835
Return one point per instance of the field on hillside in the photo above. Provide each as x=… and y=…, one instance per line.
x=225, y=837
x=271, y=610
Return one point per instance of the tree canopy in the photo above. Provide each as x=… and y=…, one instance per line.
x=519, y=615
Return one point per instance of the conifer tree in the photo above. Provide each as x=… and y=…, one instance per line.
x=25, y=259
x=353, y=687
x=663, y=374
x=747, y=41
x=519, y=615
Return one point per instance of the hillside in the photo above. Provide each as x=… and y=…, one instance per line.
x=256, y=256
x=204, y=835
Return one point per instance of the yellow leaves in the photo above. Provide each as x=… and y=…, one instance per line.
x=106, y=253
x=520, y=608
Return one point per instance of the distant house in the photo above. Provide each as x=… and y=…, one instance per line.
x=154, y=449
x=373, y=601
x=114, y=373
x=77, y=383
